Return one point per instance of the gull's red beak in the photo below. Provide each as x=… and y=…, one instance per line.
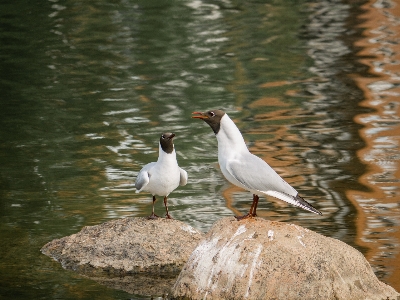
x=199, y=115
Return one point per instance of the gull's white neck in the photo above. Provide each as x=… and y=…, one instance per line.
x=230, y=140
x=166, y=157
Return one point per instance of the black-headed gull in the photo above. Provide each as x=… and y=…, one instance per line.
x=162, y=177
x=244, y=169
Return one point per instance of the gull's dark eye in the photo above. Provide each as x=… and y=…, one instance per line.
x=212, y=114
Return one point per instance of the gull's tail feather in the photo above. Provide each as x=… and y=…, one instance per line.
x=294, y=200
x=305, y=205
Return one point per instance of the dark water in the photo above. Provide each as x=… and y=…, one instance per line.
x=87, y=88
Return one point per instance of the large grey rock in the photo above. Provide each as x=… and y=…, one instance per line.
x=260, y=259
x=136, y=247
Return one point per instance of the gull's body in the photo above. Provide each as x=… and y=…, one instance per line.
x=244, y=169
x=162, y=177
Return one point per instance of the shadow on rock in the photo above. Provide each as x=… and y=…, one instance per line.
x=140, y=284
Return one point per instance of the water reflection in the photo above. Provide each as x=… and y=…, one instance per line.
x=378, y=227
x=88, y=88
x=332, y=103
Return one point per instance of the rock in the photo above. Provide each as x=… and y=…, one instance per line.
x=260, y=259
x=126, y=246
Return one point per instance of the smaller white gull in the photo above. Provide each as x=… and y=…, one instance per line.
x=244, y=169
x=162, y=177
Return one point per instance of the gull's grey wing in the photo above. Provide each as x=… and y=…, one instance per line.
x=256, y=174
x=143, y=177
x=183, y=177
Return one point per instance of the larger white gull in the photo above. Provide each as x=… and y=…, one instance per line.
x=244, y=169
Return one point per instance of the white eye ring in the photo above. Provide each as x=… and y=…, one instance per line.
x=212, y=113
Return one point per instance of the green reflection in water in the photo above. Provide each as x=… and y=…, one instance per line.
x=88, y=87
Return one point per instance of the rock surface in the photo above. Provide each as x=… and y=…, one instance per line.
x=126, y=247
x=260, y=259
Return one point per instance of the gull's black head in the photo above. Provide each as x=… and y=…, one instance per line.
x=211, y=117
x=166, y=142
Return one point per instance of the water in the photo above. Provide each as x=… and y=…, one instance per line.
x=87, y=88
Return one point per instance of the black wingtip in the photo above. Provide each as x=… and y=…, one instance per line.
x=307, y=205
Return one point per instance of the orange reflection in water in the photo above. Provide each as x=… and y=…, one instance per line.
x=378, y=226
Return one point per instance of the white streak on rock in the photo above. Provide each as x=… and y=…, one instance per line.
x=211, y=258
x=188, y=228
x=253, y=265
x=301, y=242
x=239, y=231
x=271, y=235
x=340, y=277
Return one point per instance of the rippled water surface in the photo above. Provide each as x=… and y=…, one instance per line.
x=87, y=88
